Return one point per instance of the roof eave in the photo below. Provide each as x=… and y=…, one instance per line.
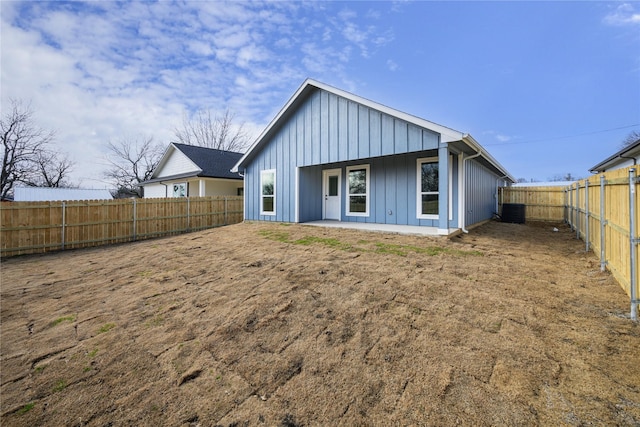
x=446, y=134
x=620, y=155
x=475, y=145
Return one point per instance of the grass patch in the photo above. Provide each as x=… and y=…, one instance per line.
x=60, y=385
x=93, y=353
x=26, y=408
x=40, y=368
x=333, y=243
x=155, y=321
x=278, y=236
x=403, y=250
x=381, y=248
x=106, y=328
x=59, y=320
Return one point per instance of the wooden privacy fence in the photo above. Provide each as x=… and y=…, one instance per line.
x=602, y=210
x=36, y=227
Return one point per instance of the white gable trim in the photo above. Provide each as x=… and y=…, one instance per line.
x=446, y=134
x=174, y=162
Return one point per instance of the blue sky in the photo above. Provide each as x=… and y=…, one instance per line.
x=548, y=88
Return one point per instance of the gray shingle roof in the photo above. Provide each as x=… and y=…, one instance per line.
x=214, y=163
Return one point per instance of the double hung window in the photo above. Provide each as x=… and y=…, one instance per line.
x=427, y=185
x=358, y=178
x=268, y=192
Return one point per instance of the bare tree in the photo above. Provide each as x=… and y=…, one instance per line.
x=51, y=170
x=213, y=131
x=632, y=138
x=132, y=161
x=23, y=143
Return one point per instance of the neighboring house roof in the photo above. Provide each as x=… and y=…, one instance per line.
x=46, y=194
x=461, y=141
x=630, y=152
x=207, y=163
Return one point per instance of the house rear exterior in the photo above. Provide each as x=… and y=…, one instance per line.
x=332, y=155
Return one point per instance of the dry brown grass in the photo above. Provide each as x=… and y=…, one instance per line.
x=267, y=324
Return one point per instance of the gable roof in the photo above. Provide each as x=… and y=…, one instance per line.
x=210, y=163
x=48, y=194
x=447, y=135
x=627, y=153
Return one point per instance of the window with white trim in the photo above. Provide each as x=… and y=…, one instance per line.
x=427, y=174
x=358, y=190
x=180, y=189
x=268, y=192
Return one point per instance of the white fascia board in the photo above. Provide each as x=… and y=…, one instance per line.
x=271, y=124
x=165, y=158
x=446, y=134
x=475, y=145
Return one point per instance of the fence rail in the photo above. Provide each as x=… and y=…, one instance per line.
x=602, y=210
x=36, y=227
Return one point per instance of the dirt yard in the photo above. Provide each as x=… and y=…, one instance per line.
x=258, y=324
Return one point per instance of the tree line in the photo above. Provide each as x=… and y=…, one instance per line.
x=30, y=157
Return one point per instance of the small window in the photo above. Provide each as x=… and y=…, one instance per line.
x=268, y=192
x=180, y=189
x=333, y=185
x=358, y=190
x=427, y=185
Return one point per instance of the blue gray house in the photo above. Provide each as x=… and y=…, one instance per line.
x=332, y=155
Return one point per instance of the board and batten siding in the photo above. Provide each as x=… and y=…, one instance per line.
x=328, y=131
x=481, y=187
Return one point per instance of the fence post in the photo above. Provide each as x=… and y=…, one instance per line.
x=64, y=212
x=135, y=228
x=586, y=215
x=577, y=210
x=226, y=210
x=603, y=222
x=571, y=206
x=188, y=212
x=633, y=241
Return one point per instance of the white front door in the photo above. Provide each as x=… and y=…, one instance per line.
x=331, y=193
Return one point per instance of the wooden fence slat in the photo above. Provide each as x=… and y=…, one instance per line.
x=37, y=227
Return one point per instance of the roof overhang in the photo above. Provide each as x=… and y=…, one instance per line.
x=462, y=142
x=630, y=152
x=187, y=175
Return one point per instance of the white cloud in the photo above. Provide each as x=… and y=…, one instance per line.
x=624, y=14
x=97, y=71
x=391, y=65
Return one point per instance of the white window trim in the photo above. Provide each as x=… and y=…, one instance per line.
x=419, y=163
x=178, y=184
x=262, y=173
x=366, y=194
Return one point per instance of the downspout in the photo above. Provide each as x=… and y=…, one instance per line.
x=464, y=190
x=630, y=158
x=498, y=192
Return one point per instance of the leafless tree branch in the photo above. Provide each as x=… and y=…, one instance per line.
x=213, y=131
